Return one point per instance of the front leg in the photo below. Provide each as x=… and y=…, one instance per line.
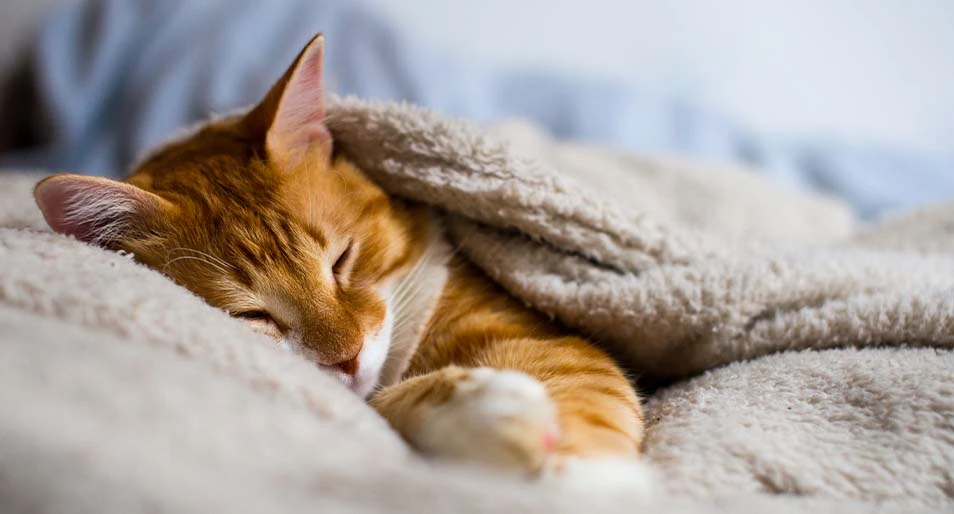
x=499, y=418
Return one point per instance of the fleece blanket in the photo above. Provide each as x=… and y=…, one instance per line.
x=802, y=363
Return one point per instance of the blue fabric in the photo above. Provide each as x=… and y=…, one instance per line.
x=115, y=77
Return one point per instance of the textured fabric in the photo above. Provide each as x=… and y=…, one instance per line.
x=673, y=293
x=121, y=392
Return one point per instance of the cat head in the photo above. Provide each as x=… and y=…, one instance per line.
x=256, y=215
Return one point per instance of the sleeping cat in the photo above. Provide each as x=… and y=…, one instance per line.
x=258, y=215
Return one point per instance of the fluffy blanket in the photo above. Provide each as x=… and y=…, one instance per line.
x=802, y=363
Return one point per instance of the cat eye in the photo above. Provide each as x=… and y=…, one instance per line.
x=342, y=266
x=254, y=316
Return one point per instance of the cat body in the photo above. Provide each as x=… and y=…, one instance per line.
x=255, y=213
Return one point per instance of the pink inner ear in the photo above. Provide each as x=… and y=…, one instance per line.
x=299, y=123
x=94, y=210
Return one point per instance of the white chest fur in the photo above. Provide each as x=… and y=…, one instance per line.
x=411, y=303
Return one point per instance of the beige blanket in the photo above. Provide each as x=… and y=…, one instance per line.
x=120, y=392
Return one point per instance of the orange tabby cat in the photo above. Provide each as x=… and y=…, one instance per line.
x=257, y=215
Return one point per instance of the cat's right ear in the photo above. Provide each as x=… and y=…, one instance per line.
x=95, y=210
x=291, y=117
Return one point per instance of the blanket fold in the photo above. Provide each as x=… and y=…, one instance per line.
x=671, y=297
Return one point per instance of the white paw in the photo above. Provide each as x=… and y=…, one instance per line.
x=604, y=476
x=495, y=417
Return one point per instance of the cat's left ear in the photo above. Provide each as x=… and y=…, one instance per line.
x=95, y=210
x=291, y=117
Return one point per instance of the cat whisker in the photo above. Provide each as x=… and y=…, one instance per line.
x=402, y=292
x=192, y=257
x=202, y=254
x=409, y=286
x=406, y=294
x=410, y=281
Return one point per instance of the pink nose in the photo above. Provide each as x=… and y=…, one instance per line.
x=348, y=367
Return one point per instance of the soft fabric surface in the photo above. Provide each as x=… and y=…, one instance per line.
x=111, y=78
x=121, y=392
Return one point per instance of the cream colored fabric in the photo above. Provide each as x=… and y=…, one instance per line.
x=122, y=392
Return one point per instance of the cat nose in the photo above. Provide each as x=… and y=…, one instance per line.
x=348, y=367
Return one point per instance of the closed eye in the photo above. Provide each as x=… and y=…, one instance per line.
x=343, y=264
x=254, y=315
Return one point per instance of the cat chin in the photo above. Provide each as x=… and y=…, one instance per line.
x=361, y=384
x=371, y=359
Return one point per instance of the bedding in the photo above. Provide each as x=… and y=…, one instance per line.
x=800, y=361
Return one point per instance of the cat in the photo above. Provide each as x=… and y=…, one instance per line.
x=258, y=215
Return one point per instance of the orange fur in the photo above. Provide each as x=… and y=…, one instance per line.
x=477, y=324
x=255, y=214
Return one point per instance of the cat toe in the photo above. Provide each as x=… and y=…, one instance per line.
x=500, y=418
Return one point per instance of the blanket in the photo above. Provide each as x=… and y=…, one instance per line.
x=802, y=361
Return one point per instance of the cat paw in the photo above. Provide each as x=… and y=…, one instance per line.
x=626, y=477
x=503, y=419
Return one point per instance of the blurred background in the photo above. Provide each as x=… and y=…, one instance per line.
x=853, y=98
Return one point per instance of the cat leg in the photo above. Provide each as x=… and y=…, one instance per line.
x=503, y=419
x=521, y=403
x=598, y=410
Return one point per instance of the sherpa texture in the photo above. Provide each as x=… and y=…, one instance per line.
x=121, y=392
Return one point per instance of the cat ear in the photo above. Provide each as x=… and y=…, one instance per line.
x=292, y=115
x=93, y=209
